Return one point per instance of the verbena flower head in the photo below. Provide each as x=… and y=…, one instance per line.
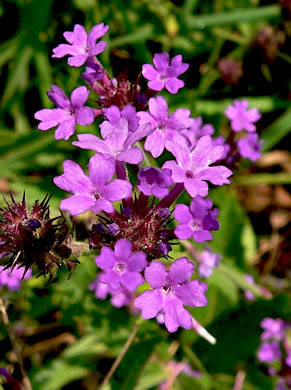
x=171, y=290
x=121, y=266
x=68, y=113
x=196, y=220
x=207, y=262
x=154, y=181
x=12, y=278
x=118, y=142
x=192, y=166
x=119, y=298
x=242, y=118
x=30, y=237
x=165, y=72
x=81, y=45
x=164, y=127
x=95, y=191
x=250, y=147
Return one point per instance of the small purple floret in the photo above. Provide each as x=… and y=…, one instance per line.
x=95, y=192
x=93, y=73
x=119, y=298
x=269, y=352
x=196, y=220
x=250, y=147
x=68, y=113
x=82, y=46
x=121, y=267
x=207, y=262
x=192, y=167
x=154, y=181
x=242, y=118
x=118, y=142
x=163, y=125
x=170, y=291
x=165, y=72
x=273, y=328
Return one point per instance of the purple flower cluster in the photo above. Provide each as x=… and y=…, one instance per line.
x=249, y=146
x=12, y=279
x=134, y=235
x=275, y=349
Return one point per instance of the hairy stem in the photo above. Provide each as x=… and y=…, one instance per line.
x=120, y=356
x=16, y=347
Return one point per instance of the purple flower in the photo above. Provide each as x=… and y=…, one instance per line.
x=114, y=114
x=207, y=262
x=171, y=290
x=197, y=220
x=93, y=73
x=242, y=118
x=273, y=328
x=12, y=279
x=120, y=297
x=269, y=352
x=165, y=74
x=196, y=131
x=154, y=181
x=164, y=126
x=118, y=141
x=68, y=112
x=192, y=167
x=81, y=46
x=250, y=147
x=121, y=266
x=93, y=192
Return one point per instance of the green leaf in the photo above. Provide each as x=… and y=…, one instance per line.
x=277, y=131
x=235, y=16
x=58, y=375
x=133, y=364
x=232, y=218
x=238, y=277
x=18, y=75
x=142, y=34
x=264, y=178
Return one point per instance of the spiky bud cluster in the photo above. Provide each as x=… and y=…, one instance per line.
x=31, y=238
x=145, y=226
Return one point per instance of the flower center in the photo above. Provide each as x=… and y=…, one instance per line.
x=163, y=77
x=189, y=175
x=196, y=225
x=166, y=288
x=120, y=268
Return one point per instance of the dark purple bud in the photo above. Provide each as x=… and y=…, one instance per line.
x=113, y=229
x=33, y=224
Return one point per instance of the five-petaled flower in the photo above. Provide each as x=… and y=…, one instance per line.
x=68, y=113
x=242, y=118
x=170, y=291
x=197, y=220
x=192, y=166
x=121, y=267
x=81, y=46
x=165, y=72
x=95, y=192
